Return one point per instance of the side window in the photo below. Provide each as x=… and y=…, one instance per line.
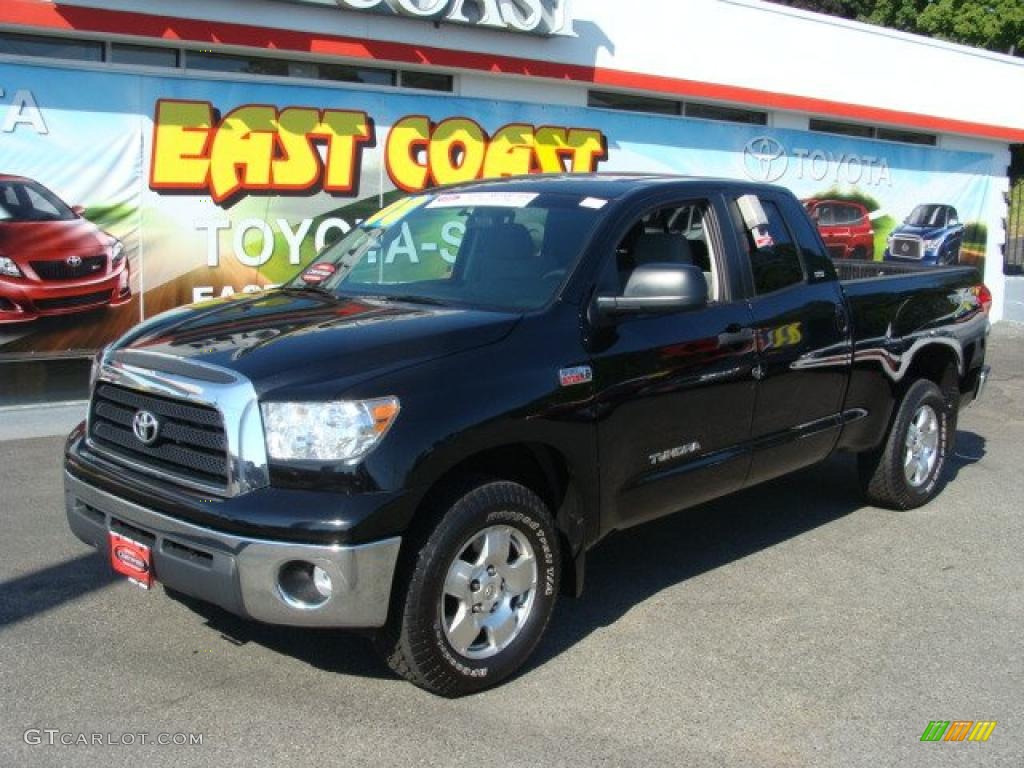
x=9, y=204
x=774, y=259
x=826, y=215
x=677, y=233
x=41, y=204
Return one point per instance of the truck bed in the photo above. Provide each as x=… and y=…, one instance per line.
x=852, y=269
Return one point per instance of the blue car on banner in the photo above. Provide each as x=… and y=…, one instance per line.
x=931, y=234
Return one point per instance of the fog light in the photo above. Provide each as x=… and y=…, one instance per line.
x=304, y=585
x=322, y=581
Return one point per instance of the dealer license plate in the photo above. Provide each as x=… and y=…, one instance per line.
x=132, y=559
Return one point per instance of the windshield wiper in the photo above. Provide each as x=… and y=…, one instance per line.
x=309, y=288
x=411, y=298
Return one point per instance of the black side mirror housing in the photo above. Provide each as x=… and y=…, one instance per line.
x=657, y=288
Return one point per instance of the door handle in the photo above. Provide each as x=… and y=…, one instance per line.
x=735, y=334
x=842, y=319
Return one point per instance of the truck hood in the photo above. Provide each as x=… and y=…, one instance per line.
x=925, y=233
x=285, y=340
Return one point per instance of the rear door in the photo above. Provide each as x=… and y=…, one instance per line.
x=800, y=326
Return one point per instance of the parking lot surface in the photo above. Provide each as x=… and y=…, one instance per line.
x=789, y=625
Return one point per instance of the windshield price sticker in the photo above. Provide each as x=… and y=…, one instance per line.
x=318, y=273
x=485, y=200
x=596, y=203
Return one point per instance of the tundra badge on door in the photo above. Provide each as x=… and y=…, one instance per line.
x=674, y=453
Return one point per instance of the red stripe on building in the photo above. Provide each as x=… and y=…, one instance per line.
x=46, y=15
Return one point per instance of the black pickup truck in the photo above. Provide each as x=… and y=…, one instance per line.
x=424, y=432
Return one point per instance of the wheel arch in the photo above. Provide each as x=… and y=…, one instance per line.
x=939, y=361
x=539, y=466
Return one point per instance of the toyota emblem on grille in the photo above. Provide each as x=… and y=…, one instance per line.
x=146, y=427
x=74, y=261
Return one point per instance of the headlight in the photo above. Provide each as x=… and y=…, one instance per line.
x=116, y=252
x=9, y=268
x=932, y=245
x=94, y=372
x=345, y=430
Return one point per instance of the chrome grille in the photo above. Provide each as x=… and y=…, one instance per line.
x=191, y=443
x=906, y=248
x=61, y=270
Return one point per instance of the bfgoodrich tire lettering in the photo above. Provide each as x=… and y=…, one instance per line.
x=415, y=642
x=884, y=474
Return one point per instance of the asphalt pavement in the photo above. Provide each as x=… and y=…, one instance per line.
x=789, y=625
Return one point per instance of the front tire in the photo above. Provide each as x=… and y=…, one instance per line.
x=479, y=595
x=906, y=471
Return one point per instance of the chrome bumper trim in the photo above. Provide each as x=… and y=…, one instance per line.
x=241, y=574
x=982, y=381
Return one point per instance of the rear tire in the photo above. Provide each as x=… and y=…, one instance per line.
x=478, y=593
x=906, y=471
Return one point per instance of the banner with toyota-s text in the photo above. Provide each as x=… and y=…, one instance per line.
x=124, y=195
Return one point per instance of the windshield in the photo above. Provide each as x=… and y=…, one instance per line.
x=499, y=250
x=28, y=201
x=928, y=216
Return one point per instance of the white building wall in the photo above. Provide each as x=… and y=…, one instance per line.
x=743, y=43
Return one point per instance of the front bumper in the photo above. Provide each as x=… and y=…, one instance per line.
x=24, y=300
x=237, y=573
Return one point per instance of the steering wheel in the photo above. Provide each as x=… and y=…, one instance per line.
x=554, y=273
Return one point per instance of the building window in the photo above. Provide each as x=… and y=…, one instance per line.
x=872, y=132
x=169, y=57
x=907, y=137
x=247, y=65
x=843, y=129
x=630, y=102
x=726, y=114
x=143, y=55
x=258, y=65
x=51, y=47
x=427, y=81
x=344, y=73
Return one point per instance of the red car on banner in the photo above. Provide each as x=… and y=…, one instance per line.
x=52, y=260
x=845, y=227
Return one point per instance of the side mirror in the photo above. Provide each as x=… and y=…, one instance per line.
x=78, y=210
x=657, y=288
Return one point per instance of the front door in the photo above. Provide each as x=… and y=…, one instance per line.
x=675, y=393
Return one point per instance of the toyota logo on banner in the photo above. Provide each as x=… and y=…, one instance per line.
x=765, y=159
